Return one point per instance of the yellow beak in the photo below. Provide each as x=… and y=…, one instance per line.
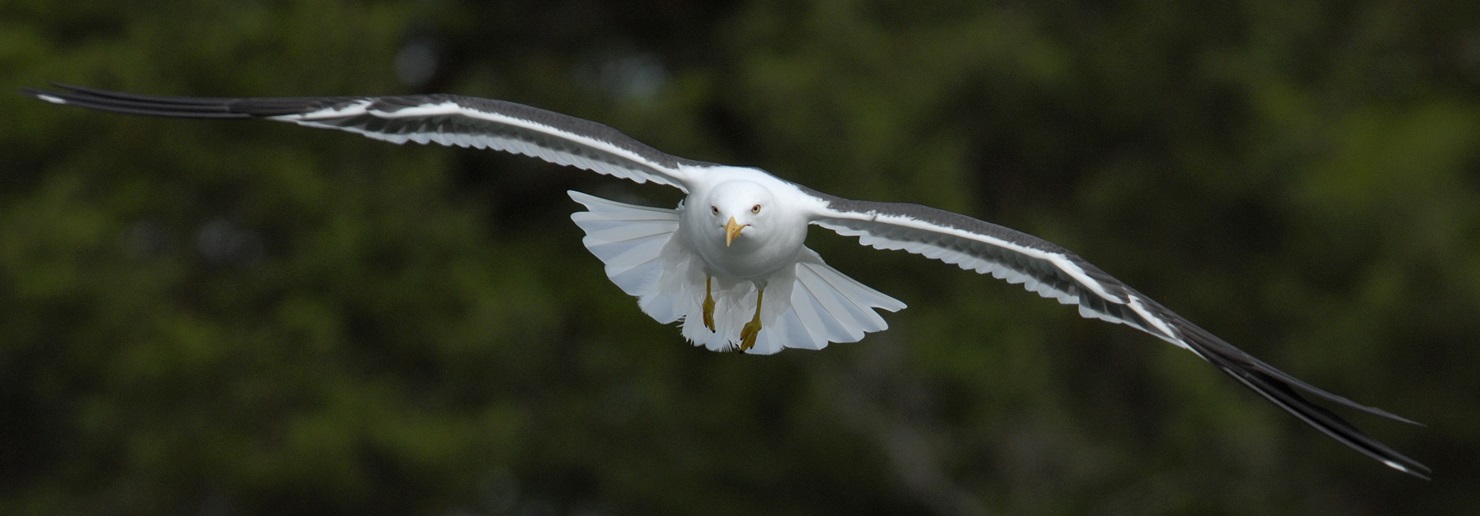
x=732, y=230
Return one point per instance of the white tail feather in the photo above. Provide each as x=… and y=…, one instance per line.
x=631, y=240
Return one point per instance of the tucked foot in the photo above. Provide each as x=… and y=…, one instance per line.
x=708, y=304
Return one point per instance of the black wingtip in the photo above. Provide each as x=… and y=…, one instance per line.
x=132, y=104
x=1282, y=394
x=1285, y=391
x=1207, y=344
x=1253, y=374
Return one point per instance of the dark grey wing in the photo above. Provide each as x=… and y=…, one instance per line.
x=443, y=119
x=1054, y=272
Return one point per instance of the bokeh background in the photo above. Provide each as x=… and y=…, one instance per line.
x=224, y=318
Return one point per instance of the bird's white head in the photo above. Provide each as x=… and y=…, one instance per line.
x=740, y=209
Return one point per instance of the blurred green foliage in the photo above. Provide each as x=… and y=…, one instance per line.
x=252, y=318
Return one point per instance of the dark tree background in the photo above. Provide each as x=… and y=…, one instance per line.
x=225, y=318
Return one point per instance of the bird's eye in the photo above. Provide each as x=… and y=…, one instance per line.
x=714, y=209
x=755, y=209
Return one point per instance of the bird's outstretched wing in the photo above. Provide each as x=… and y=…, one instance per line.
x=444, y=119
x=1054, y=272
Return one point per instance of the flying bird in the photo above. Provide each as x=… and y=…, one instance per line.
x=729, y=262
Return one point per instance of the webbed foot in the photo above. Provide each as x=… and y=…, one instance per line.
x=748, y=334
x=752, y=328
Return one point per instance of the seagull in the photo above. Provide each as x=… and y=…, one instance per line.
x=729, y=263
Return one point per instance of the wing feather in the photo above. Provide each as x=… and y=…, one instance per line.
x=1054, y=272
x=450, y=120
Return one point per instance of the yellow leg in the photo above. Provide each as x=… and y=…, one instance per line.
x=752, y=328
x=708, y=303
